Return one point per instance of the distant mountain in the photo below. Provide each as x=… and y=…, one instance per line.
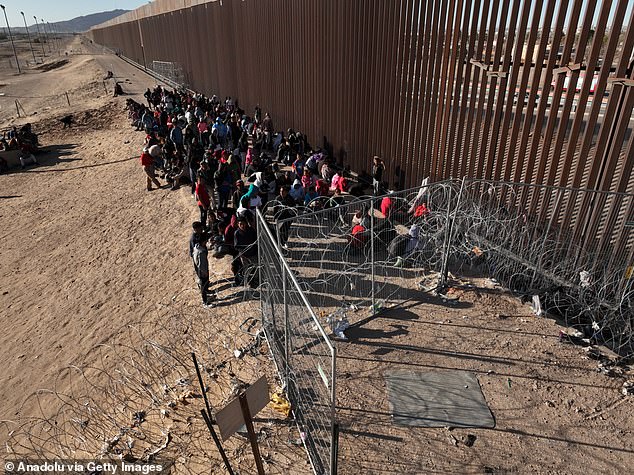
x=85, y=23
x=79, y=24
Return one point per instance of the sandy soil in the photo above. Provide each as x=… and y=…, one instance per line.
x=95, y=275
x=554, y=412
x=93, y=267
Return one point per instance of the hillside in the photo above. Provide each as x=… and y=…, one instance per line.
x=78, y=24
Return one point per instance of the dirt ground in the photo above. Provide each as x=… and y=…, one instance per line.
x=95, y=277
x=95, y=273
x=554, y=412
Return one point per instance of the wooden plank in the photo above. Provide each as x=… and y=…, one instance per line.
x=230, y=419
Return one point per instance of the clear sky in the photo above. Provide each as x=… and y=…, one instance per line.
x=60, y=10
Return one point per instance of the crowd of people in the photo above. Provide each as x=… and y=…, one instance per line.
x=25, y=141
x=234, y=163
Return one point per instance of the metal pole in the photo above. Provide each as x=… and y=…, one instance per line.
x=334, y=426
x=39, y=36
x=253, y=438
x=540, y=259
x=50, y=29
x=208, y=418
x=142, y=47
x=444, y=272
x=11, y=37
x=372, y=253
x=46, y=37
x=29, y=36
x=287, y=332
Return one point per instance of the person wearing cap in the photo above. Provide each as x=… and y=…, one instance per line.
x=147, y=162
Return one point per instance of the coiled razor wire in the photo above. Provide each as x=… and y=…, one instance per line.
x=138, y=398
x=466, y=227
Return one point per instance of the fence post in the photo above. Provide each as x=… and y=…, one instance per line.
x=444, y=271
x=286, y=328
x=334, y=443
x=260, y=241
x=372, y=236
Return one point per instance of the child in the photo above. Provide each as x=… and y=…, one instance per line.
x=307, y=179
x=310, y=195
x=297, y=192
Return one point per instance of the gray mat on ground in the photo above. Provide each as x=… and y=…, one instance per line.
x=438, y=399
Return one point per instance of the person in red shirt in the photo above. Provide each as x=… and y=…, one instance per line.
x=387, y=204
x=147, y=161
x=202, y=196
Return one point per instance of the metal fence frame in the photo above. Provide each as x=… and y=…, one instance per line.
x=170, y=70
x=295, y=336
x=527, y=242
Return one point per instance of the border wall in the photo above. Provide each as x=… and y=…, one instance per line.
x=439, y=88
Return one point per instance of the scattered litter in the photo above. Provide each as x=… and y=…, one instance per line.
x=110, y=444
x=254, y=346
x=585, y=278
x=428, y=283
x=148, y=456
x=237, y=386
x=508, y=382
x=138, y=418
x=448, y=298
x=608, y=368
x=300, y=440
x=593, y=353
x=338, y=322
x=628, y=388
x=574, y=337
x=279, y=403
x=183, y=398
x=537, y=306
x=377, y=307
x=469, y=440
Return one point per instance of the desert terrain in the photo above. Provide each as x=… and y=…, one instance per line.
x=100, y=313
